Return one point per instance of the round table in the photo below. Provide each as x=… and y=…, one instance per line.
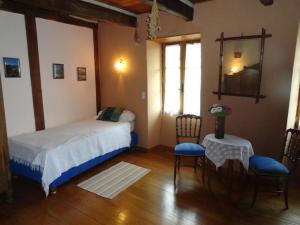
x=229, y=148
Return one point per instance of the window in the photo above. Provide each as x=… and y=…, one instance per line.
x=182, y=78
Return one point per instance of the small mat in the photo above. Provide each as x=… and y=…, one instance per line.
x=109, y=183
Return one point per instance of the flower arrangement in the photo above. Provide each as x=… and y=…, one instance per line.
x=220, y=110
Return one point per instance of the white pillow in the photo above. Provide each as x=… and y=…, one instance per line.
x=99, y=113
x=127, y=116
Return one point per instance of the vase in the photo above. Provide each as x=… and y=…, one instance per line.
x=220, y=127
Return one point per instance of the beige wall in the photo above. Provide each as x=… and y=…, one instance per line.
x=154, y=93
x=264, y=123
x=124, y=89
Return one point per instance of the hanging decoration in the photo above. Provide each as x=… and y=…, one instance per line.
x=153, y=21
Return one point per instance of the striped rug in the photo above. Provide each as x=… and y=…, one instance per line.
x=109, y=183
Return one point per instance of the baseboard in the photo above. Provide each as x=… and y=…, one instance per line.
x=162, y=147
x=139, y=148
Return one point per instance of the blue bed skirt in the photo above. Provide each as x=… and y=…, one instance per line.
x=26, y=171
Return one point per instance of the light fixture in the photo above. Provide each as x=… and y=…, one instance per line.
x=238, y=49
x=234, y=70
x=237, y=54
x=120, y=65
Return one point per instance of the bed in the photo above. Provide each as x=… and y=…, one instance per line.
x=53, y=156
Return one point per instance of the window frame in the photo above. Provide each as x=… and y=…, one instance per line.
x=183, y=45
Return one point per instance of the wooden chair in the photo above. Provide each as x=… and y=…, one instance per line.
x=189, y=127
x=273, y=170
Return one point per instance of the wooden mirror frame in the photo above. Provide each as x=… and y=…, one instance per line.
x=261, y=36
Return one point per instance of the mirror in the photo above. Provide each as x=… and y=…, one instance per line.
x=241, y=61
x=241, y=67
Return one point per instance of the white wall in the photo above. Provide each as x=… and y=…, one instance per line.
x=295, y=86
x=16, y=91
x=66, y=100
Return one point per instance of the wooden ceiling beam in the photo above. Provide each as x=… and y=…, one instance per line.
x=199, y=1
x=80, y=9
x=10, y=6
x=175, y=7
x=267, y=2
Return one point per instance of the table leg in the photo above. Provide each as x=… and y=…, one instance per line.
x=230, y=177
x=243, y=181
x=208, y=174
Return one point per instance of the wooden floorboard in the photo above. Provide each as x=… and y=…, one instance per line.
x=151, y=200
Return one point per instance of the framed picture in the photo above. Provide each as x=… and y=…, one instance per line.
x=58, y=71
x=81, y=73
x=12, y=67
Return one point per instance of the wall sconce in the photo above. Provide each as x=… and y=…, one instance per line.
x=234, y=70
x=120, y=65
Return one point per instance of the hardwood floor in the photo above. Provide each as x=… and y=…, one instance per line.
x=151, y=200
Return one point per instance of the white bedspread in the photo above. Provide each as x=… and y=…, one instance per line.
x=56, y=150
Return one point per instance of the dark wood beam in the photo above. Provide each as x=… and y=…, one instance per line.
x=97, y=70
x=244, y=37
x=267, y=2
x=199, y=1
x=175, y=7
x=34, y=65
x=5, y=176
x=81, y=9
x=21, y=8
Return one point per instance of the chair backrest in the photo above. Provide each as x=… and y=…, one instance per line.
x=291, y=149
x=188, y=126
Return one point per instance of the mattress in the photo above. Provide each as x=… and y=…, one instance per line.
x=54, y=151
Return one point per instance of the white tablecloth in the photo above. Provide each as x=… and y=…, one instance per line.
x=230, y=147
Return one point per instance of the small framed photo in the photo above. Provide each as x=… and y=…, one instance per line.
x=81, y=73
x=12, y=67
x=58, y=71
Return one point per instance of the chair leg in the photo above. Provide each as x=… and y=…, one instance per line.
x=175, y=169
x=286, y=191
x=255, y=191
x=179, y=162
x=195, y=163
x=278, y=186
x=203, y=169
x=244, y=184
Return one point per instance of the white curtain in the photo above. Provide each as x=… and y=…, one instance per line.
x=192, y=79
x=192, y=82
x=172, y=79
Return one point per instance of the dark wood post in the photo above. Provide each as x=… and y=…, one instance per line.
x=97, y=68
x=34, y=64
x=262, y=51
x=5, y=176
x=221, y=65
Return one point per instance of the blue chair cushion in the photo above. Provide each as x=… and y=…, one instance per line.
x=267, y=165
x=189, y=149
